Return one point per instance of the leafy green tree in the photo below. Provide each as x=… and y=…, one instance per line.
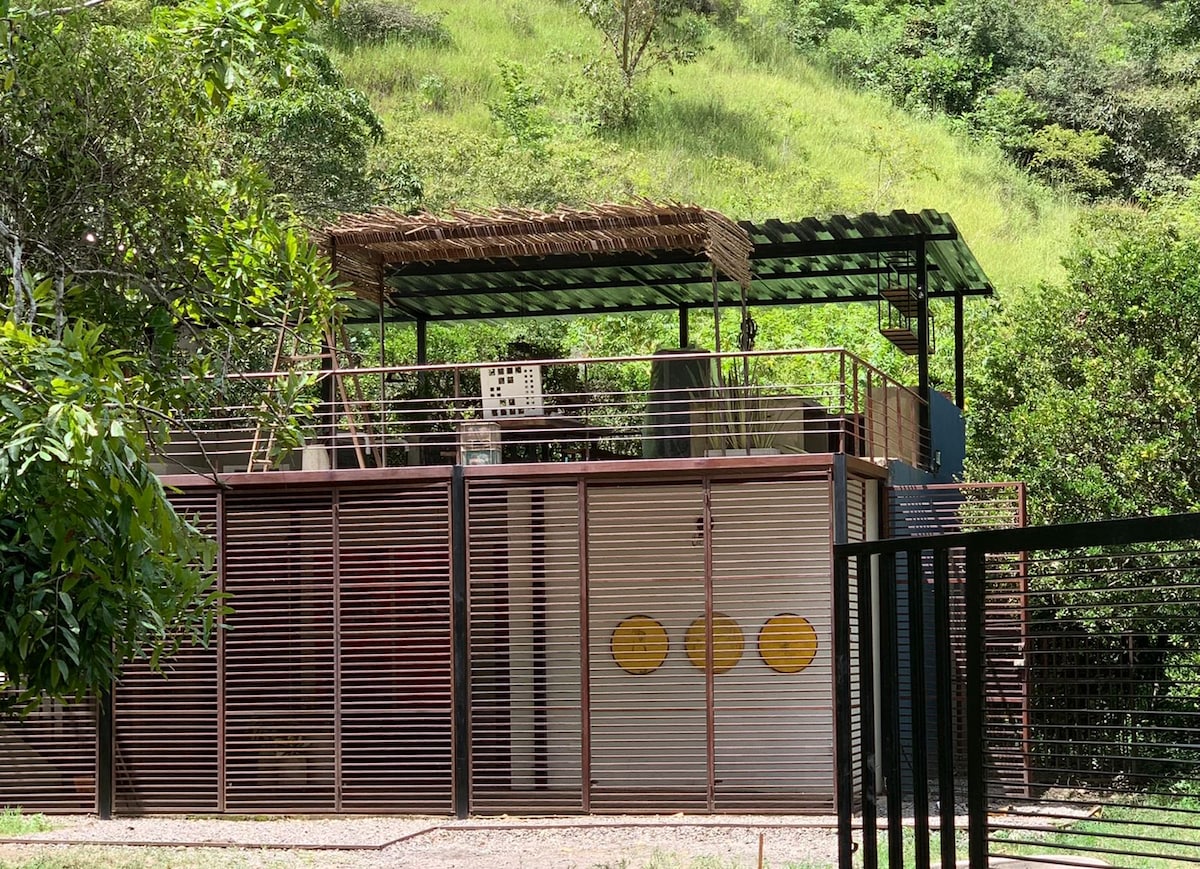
x=640, y=36
x=132, y=262
x=1089, y=390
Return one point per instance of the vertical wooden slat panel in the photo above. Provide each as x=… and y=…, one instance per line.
x=48, y=759
x=646, y=560
x=279, y=652
x=394, y=604
x=774, y=728
x=165, y=724
x=524, y=638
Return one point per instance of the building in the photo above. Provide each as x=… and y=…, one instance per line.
x=534, y=586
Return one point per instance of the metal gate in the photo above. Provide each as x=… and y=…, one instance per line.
x=1108, y=730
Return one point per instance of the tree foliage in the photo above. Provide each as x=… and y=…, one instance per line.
x=1089, y=389
x=639, y=36
x=137, y=256
x=1080, y=96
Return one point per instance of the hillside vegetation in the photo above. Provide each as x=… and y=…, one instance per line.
x=499, y=110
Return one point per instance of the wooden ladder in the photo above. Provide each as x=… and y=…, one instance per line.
x=357, y=419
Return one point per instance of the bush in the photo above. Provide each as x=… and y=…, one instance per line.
x=370, y=22
x=1071, y=158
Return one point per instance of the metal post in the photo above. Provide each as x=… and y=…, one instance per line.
x=916, y=680
x=959, y=352
x=461, y=775
x=866, y=700
x=710, y=689
x=422, y=357
x=889, y=682
x=924, y=442
x=585, y=666
x=104, y=754
x=842, y=711
x=944, y=664
x=977, y=822
x=843, y=735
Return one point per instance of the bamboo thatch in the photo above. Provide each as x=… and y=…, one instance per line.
x=364, y=246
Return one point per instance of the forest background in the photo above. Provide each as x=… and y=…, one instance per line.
x=161, y=166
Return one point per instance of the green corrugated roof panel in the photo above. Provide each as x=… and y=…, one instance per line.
x=833, y=259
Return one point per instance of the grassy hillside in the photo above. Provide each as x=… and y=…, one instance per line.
x=749, y=129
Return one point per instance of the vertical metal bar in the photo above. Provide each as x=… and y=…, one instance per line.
x=842, y=403
x=460, y=677
x=221, y=752
x=710, y=716
x=585, y=664
x=924, y=441
x=716, y=302
x=1025, y=651
x=422, y=358
x=337, y=656
x=866, y=717
x=959, y=354
x=890, y=690
x=843, y=763
x=683, y=327
x=859, y=427
x=944, y=664
x=917, y=715
x=843, y=726
x=104, y=753
x=977, y=822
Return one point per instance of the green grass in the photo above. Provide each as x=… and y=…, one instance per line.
x=750, y=129
x=13, y=822
x=1117, y=829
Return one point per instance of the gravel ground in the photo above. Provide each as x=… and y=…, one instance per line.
x=612, y=842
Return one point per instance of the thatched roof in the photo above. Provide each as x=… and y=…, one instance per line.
x=366, y=247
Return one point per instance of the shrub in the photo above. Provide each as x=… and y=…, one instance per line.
x=370, y=22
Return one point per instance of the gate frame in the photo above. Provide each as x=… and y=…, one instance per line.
x=977, y=545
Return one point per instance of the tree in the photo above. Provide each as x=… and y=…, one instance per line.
x=1090, y=390
x=132, y=263
x=640, y=35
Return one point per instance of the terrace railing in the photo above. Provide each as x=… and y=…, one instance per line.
x=664, y=406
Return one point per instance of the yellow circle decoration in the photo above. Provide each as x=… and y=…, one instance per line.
x=787, y=643
x=639, y=645
x=728, y=643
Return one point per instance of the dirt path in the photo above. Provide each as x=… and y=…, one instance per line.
x=616, y=842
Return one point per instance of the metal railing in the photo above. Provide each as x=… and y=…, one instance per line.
x=669, y=405
x=1082, y=696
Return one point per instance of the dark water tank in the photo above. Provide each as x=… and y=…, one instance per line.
x=676, y=382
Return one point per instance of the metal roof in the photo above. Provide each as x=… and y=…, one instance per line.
x=814, y=260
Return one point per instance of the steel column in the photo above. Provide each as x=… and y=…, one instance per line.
x=585, y=663
x=866, y=716
x=944, y=664
x=916, y=680
x=977, y=820
x=104, y=754
x=924, y=435
x=889, y=682
x=843, y=763
x=460, y=676
x=959, y=353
